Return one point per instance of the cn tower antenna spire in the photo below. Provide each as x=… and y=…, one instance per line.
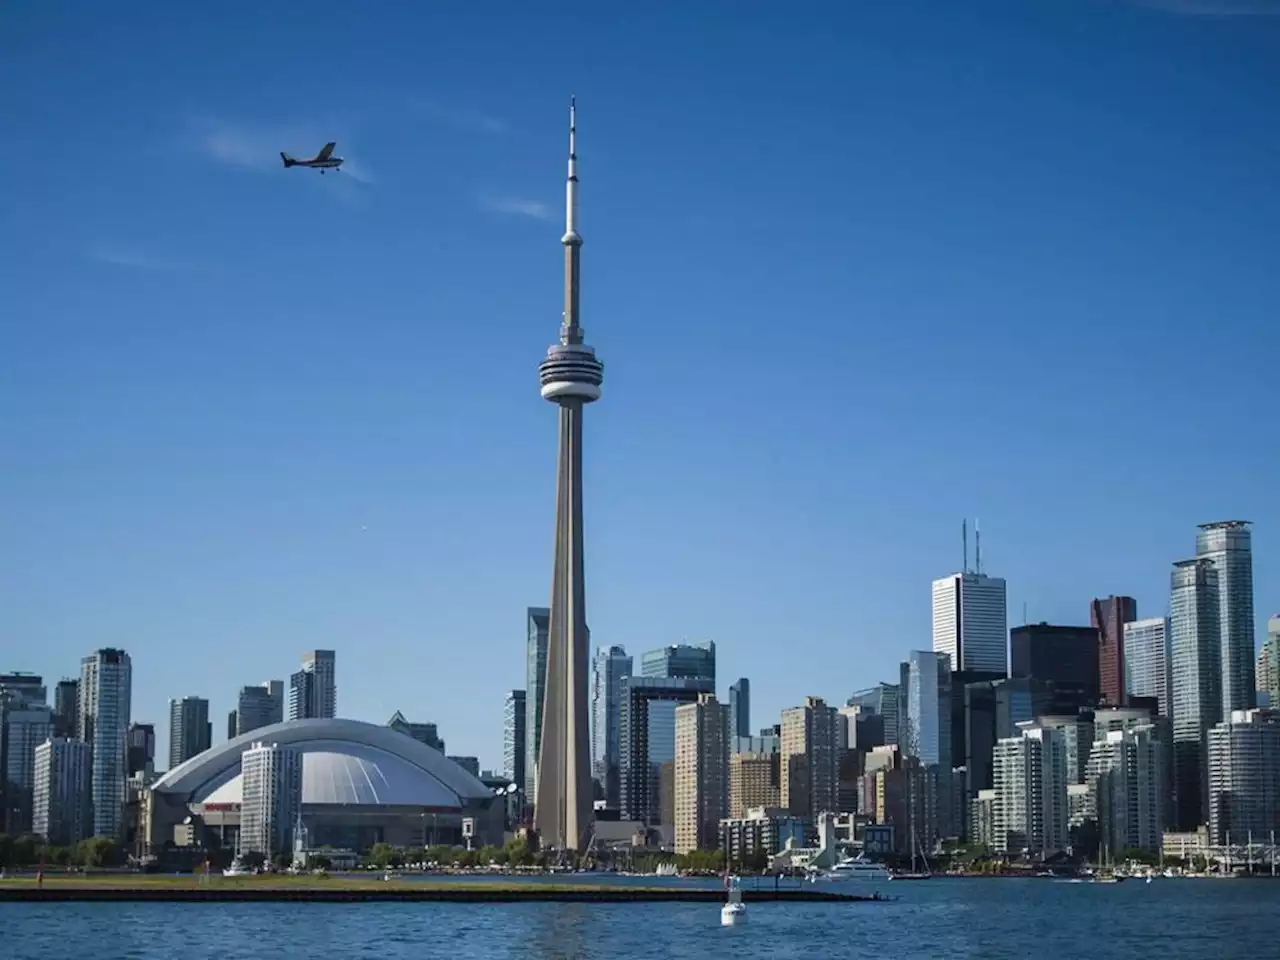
x=571, y=328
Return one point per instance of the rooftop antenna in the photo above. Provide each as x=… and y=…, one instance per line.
x=977, y=548
x=964, y=536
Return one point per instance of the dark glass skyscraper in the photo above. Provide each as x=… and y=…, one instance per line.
x=1108, y=617
x=740, y=708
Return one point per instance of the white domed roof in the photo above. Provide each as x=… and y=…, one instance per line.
x=343, y=762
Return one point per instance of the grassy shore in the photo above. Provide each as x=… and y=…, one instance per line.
x=191, y=888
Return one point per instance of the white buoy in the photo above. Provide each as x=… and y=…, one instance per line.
x=734, y=912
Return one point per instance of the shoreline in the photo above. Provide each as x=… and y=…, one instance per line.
x=418, y=893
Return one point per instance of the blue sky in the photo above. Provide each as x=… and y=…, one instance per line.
x=856, y=271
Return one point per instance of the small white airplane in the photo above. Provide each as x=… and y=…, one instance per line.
x=324, y=160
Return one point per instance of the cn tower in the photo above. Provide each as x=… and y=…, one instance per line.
x=571, y=377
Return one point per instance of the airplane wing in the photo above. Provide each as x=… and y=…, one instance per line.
x=326, y=151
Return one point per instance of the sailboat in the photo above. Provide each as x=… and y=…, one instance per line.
x=913, y=874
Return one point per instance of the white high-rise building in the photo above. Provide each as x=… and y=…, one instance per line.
x=1229, y=547
x=272, y=798
x=1195, y=631
x=106, y=699
x=1030, y=773
x=62, y=811
x=1147, y=653
x=1244, y=777
x=1125, y=782
x=970, y=622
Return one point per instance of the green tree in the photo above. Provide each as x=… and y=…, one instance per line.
x=380, y=855
x=282, y=861
x=319, y=862
x=491, y=854
x=253, y=860
x=100, y=852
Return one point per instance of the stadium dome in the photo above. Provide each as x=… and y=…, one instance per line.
x=344, y=763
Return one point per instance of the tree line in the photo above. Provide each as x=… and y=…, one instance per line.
x=29, y=850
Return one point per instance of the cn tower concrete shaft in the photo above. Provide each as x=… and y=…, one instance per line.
x=571, y=377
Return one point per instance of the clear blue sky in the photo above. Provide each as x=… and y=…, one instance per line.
x=855, y=270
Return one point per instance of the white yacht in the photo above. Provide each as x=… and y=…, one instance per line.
x=237, y=869
x=855, y=868
x=734, y=912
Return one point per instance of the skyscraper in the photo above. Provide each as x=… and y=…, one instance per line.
x=26, y=721
x=537, y=622
x=1267, y=680
x=808, y=759
x=608, y=669
x=1031, y=792
x=740, y=708
x=701, y=773
x=970, y=622
x=1195, y=626
x=693, y=660
x=62, y=812
x=272, y=797
x=106, y=699
x=313, y=690
x=190, y=732
x=648, y=741
x=140, y=748
x=1244, y=777
x=66, y=706
x=1229, y=546
x=1146, y=661
x=1065, y=656
x=1108, y=617
x=925, y=733
x=513, y=737
x=260, y=706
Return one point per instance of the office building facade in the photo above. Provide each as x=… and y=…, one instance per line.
x=689, y=660
x=648, y=738
x=1147, y=656
x=1064, y=656
x=1229, y=547
x=271, y=799
x=970, y=622
x=66, y=707
x=753, y=782
x=313, y=690
x=701, y=773
x=1031, y=793
x=63, y=814
x=25, y=723
x=1108, y=617
x=740, y=707
x=808, y=759
x=1126, y=782
x=1195, y=643
x=262, y=705
x=140, y=749
x=190, y=732
x=106, y=701
x=924, y=733
x=1244, y=777
x=537, y=622
x=608, y=669
x=1267, y=678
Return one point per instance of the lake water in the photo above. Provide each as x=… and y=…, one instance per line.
x=936, y=920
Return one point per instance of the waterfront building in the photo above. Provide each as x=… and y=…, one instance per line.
x=106, y=701
x=1228, y=545
x=1147, y=661
x=925, y=733
x=740, y=708
x=608, y=668
x=259, y=706
x=1110, y=617
x=753, y=782
x=701, y=768
x=271, y=798
x=189, y=729
x=1127, y=787
x=62, y=813
x=808, y=759
x=537, y=622
x=761, y=833
x=514, y=711
x=1031, y=791
x=26, y=721
x=1194, y=625
x=1064, y=656
x=647, y=731
x=1244, y=777
x=693, y=660
x=313, y=690
x=970, y=622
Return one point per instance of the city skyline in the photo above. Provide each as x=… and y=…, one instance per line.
x=253, y=449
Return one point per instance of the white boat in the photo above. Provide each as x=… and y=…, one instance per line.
x=666, y=869
x=237, y=869
x=734, y=912
x=855, y=868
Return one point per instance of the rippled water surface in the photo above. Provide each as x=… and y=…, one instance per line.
x=990, y=919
